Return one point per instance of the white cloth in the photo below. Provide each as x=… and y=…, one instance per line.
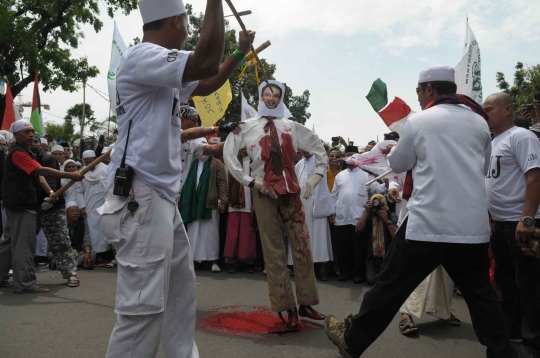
x=350, y=194
x=191, y=149
x=247, y=190
x=74, y=193
x=156, y=280
x=204, y=234
x=18, y=125
x=514, y=153
x=149, y=83
x=433, y=296
x=437, y=73
x=57, y=148
x=88, y=154
x=319, y=229
x=152, y=10
x=448, y=149
x=42, y=245
x=93, y=199
x=250, y=137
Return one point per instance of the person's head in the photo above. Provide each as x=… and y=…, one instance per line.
x=392, y=136
x=536, y=129
x=24, y=133
x=3, y=143
x=190, y=117
x=72, y=211
x=435, y=81
x=522, y=122
x=306, y=154
x=370, y=146
x=70, y=166
x=352, y=161
x=88, y=157
x=326, y=148
x=379, y=203
x=500, y=108
x=165, y=23
x=44, y=146
x=67, y=152
x=57, y=152
x=271, y=95
x=350, y=150
x=334, y=157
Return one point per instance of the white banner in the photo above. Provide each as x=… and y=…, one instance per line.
x=118, y=49
x=468, y=70
x=375, y=162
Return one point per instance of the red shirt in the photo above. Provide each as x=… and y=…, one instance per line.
x=24, y=162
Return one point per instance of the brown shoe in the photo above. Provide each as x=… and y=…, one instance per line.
x=310, y=312
x=292, y=320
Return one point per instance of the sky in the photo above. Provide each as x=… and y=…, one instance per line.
x=336, y=49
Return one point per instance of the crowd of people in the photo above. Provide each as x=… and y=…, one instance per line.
x=269, y=196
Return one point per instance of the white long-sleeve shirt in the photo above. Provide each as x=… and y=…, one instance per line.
x=292, y=136
x=448, y=148
x=350, y=194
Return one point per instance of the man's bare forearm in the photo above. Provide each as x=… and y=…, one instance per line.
x=212, y=84
x=198, y=132
x=213, y=149
x=532, y=193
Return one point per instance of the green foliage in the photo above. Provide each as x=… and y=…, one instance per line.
x=76, y=113
x=298, y=105
x=37, y=35
x=526, y=85
x=65, y=132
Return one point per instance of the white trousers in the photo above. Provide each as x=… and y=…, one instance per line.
x=155, y=290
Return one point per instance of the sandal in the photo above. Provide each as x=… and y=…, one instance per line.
x=405, y=326
x=453, y=321
x=6, y=283
x=73, y=281
x=111, y=264
x=35, y=288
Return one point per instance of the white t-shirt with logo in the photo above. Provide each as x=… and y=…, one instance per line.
x=149, y=90
x=514, y=153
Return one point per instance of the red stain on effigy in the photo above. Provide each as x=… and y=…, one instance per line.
x=244, y=321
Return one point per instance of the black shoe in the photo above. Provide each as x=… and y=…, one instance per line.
x=344, y=278
x=323, y=276
x=232, y=268
x=249, y=269
x=358, y=280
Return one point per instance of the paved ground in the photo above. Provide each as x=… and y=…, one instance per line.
x=76, y=322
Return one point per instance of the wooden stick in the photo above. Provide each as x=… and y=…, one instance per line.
x=231, y=6
x=379, y=177
x=258, y=50
x=83, y=172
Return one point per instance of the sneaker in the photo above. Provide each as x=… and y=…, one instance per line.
x=516, y=340
x=10, y=273
x=215, y=268
x=264, y=272
x=335, y=331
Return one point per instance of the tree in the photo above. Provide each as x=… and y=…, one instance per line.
x=38, y=35
x=76, y=113
x=64, y=132
x=526, y=85
x=298, y=105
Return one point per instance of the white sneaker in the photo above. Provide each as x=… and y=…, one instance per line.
x=10, y=273
x=215, y=268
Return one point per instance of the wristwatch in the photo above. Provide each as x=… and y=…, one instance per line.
x=527, y=221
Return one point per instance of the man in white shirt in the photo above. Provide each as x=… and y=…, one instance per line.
x=197, y=148
x=513, y=190
x=155, y=299
x=272, y=142
x=350, y=195
x=446, y=148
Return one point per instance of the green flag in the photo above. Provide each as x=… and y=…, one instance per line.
x=378, y=95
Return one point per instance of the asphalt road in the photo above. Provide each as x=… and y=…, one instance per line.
x=76, y=322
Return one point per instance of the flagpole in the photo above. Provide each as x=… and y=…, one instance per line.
x=81, y=140
x=109, y=125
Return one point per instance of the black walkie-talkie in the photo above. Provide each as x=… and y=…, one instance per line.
x=123, y=178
